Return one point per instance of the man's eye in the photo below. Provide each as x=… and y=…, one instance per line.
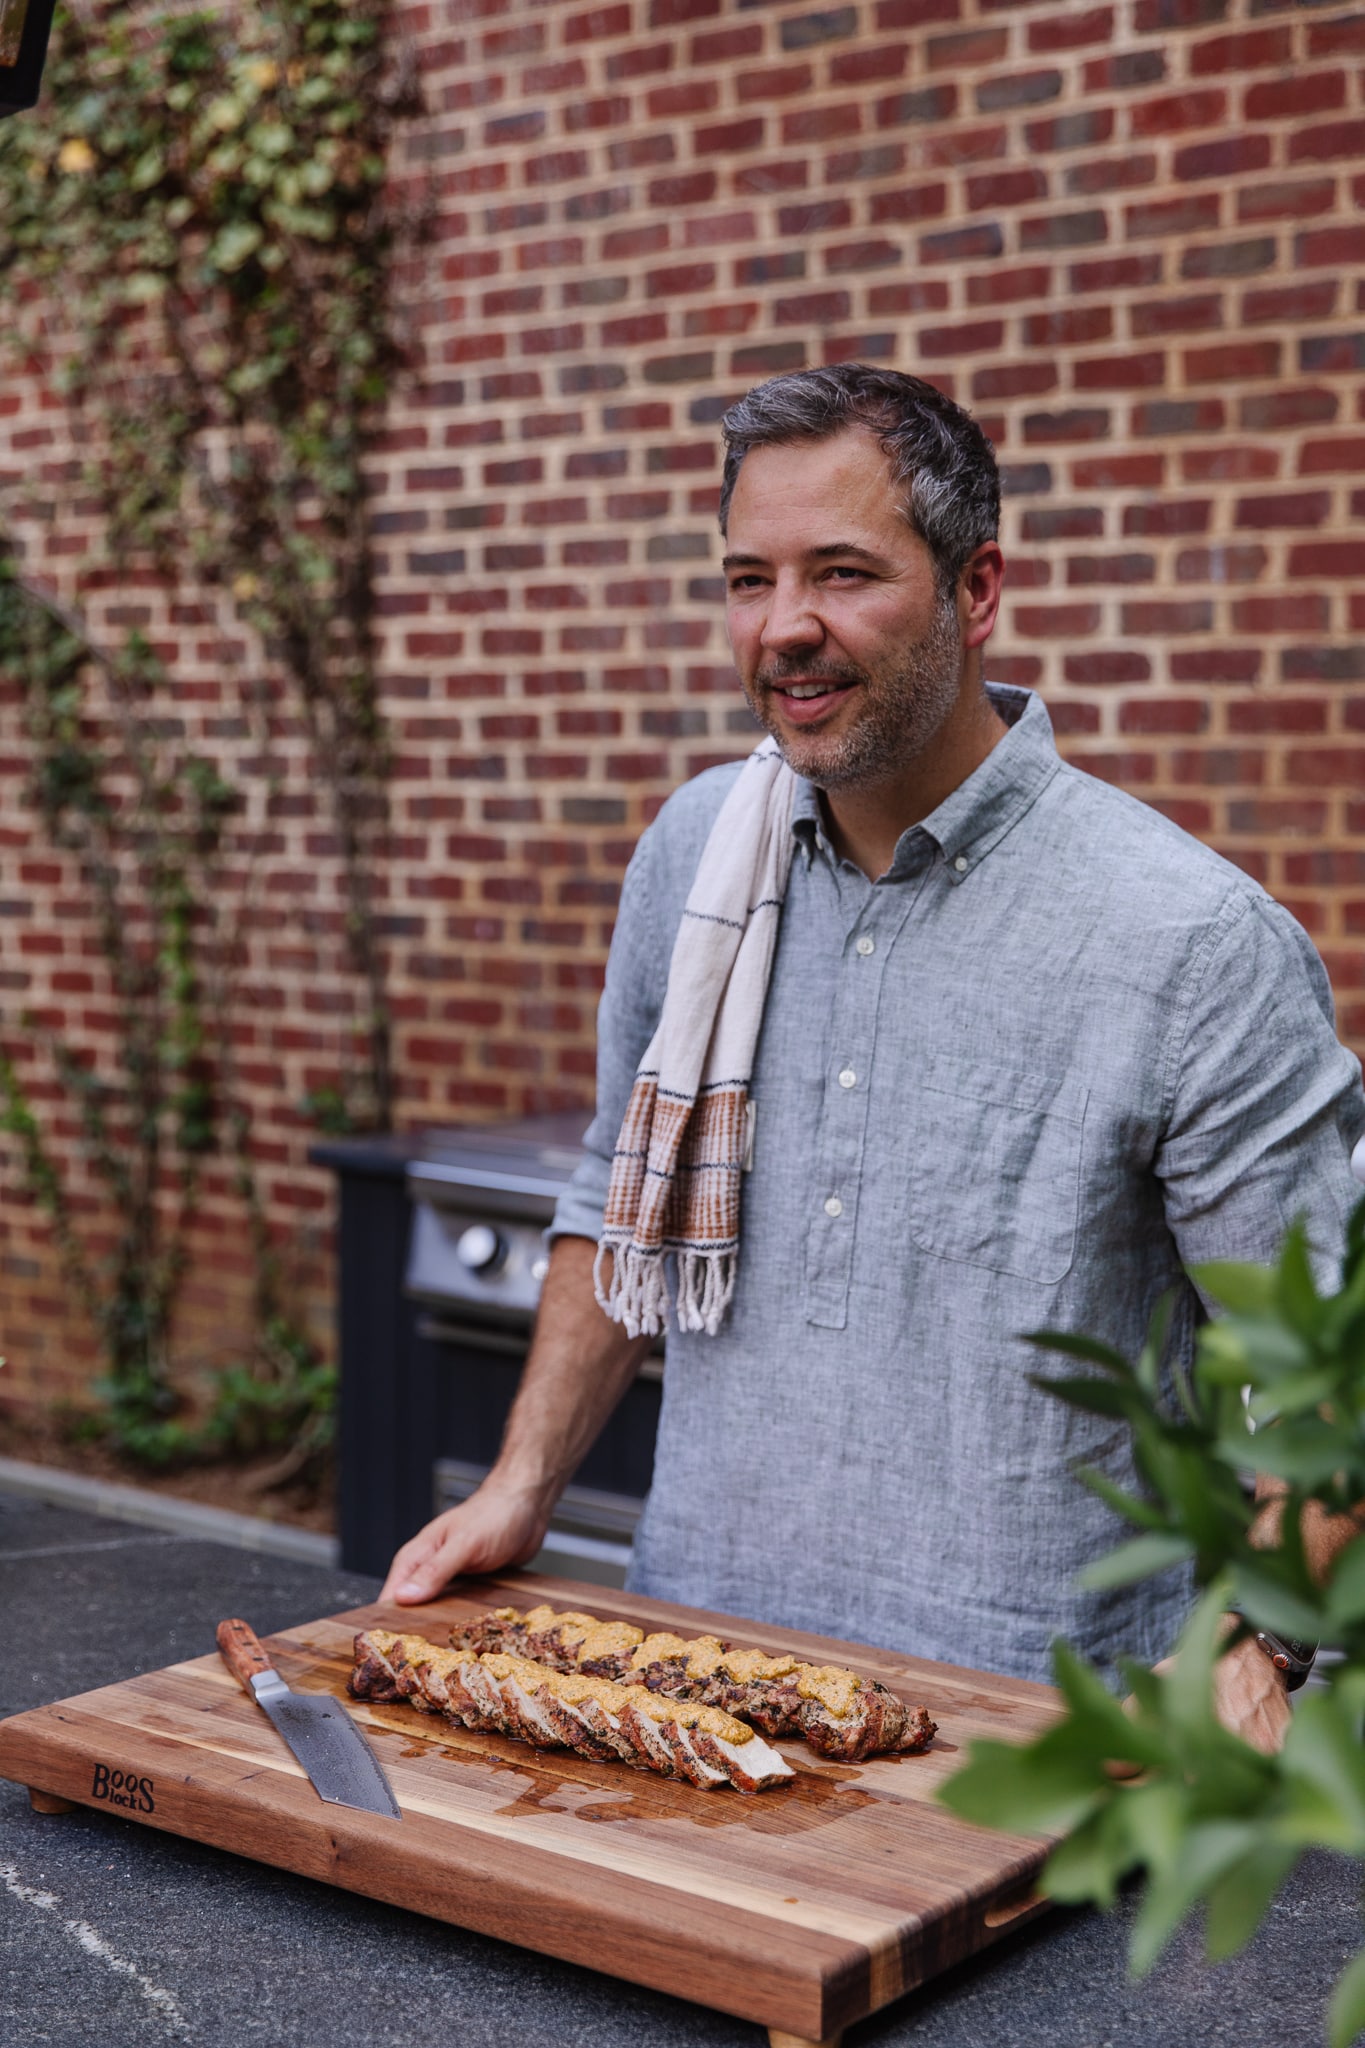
x=845, y=572
x=738, y=583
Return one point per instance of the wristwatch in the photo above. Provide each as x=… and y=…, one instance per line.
x=1292, y=1658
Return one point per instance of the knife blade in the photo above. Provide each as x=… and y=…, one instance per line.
x=341, y=1766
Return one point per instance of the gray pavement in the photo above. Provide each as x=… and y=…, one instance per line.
x=114, y=1936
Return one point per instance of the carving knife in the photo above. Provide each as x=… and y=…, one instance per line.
x=339, y=1761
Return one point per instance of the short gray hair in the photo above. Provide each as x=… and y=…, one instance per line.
x=940, y=459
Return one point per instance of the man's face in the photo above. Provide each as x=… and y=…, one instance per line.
x=848, y=653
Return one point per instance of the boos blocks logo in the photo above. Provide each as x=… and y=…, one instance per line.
x=121, y=1788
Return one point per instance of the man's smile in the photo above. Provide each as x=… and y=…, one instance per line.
x=807, y=698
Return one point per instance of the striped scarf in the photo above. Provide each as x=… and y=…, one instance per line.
x=687, y=1134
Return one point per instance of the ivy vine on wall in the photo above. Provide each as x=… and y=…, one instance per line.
x=197, y=248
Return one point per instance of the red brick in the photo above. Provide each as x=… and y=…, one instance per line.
x=1327, y=140
x=913, y=202
x=1254, y=49
x=1337, y=38
x=1307, y=613
x=1231, y=361
x=1003, y=287
x=596, y=24
x=1215, y=664
x=856, y=67
x=1163, y=715
x=1292, y=303
x=821, y=124
x=1176, y=113
x=775, y=81
x=1191, y=314
x=1231, y=156
x=1290, y=509
x=1336, y=246
x=1120, y=373
x=1276, y=715
x=1167, y=616
x=1118, y=472
x=1307, y=92
x=1226, y=564
x=1286, y=199
x=1055, y=621
x=1115, y=665
x=1070, y=30
x=1015, y=380
x=960, y=340
x=1324, y=558
x=970, y=49
x=991, y=189
x=1325, y=767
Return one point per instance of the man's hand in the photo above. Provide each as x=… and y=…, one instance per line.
x=579, y=1365
x=1250, y=1697
x=499, y=1525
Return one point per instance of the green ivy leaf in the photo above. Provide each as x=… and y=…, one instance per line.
x=235, y=245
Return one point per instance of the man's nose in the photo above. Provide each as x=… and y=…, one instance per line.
x=792, y=618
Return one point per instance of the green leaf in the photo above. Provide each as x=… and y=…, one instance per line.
x=1247, y=1290
x=1270, y=1601
x=1131, y=1506
x=1096, y=1397
x=1346, y=1587
x=1321, y=1749
x=1296, y=1292
x=1045, y=1788
x=232, y=247
x=1240, y=1899
x=1077, y=1346
x=1346, y=2014
x=1140, y=1559
x=1207, y=1853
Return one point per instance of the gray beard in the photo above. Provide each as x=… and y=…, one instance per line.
x=903, y=710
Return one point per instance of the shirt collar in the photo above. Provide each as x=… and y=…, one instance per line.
x=981, y=810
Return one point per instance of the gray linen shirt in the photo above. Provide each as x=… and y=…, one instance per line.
x=1056, y=1053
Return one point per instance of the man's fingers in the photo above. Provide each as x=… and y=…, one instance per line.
x=484, y=1533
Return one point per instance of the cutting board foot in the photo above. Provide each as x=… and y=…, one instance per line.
x=777, y=2039
x=48, y=1802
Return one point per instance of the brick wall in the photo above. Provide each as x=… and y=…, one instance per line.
x=1126, y=235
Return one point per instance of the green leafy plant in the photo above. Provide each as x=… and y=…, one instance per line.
x=1277, y=1388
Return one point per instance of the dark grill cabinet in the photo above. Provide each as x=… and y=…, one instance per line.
x=438, y=1258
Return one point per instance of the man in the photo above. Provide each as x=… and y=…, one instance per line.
x=1025, y=1051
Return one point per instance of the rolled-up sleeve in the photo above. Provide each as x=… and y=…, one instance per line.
x=637, y=974
x=1265, y=1102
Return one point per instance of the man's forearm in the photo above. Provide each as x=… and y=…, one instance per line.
x=578, y=1367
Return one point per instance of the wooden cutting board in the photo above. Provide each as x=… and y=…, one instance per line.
x=804, y=1907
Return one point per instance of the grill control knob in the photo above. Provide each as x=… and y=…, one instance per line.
x=481, y=1250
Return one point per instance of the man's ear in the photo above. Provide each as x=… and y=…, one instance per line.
x=978, y=593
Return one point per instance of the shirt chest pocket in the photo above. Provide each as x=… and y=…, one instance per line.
x=994, y=1167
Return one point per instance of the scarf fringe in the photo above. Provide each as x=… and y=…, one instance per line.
x=637, y=1294
x=706, y=1281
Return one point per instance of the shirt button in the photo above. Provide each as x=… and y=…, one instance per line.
x=866, y=945
x=834, y=1207
x=961, y=863
x=848, y=1079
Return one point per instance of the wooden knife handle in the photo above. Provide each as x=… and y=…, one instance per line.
x=241, y=1652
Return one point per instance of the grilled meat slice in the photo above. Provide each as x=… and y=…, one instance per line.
x=593, y=1716
x=373, y=1677
x=840, y=1714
